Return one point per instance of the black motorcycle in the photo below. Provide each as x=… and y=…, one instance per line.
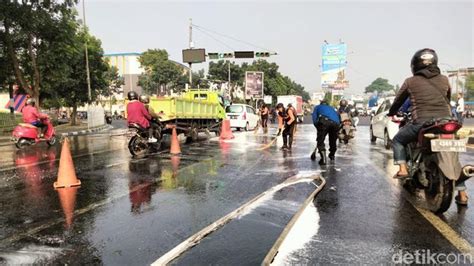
x=138, y=144
x=433, y=162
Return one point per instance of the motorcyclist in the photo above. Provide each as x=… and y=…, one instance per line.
x=429, y=93
x=155, y=121
x=32, y=116
x=343, y=107
x=138, y=114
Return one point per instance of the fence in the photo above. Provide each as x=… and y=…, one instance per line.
x=8, y=121
x=95, y=116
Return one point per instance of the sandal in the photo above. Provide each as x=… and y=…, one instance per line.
x=461, y=202
x=397, y=176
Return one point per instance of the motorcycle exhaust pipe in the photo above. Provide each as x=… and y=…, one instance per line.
x=466, y=173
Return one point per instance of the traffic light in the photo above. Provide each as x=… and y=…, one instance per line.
x=213, y=55
x=243, y=54
x=226, y=55
x=262, y=54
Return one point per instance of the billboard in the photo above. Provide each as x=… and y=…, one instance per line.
x=194, y=56
x=334, y=62
x=253, y=85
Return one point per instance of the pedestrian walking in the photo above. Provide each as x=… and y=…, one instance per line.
x=460, y=108
x=327, y=122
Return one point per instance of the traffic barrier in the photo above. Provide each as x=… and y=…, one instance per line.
x=175, y=149
x=226, y=131
x=67, y=197
x=66, y=174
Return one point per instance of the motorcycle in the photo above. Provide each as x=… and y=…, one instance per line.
x=138, y=144
x=26, y=134
x=346, y=132
x=433, y=161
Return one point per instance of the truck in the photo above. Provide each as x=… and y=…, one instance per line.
x=193, y=112
x=296, y=101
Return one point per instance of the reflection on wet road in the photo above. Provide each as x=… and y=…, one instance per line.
x=132, y=211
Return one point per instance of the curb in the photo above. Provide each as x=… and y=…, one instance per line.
x=86, y=132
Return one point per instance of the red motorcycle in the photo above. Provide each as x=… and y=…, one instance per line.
x=26, y=134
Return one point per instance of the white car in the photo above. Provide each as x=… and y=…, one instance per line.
x=242, y=116
x=383, y=127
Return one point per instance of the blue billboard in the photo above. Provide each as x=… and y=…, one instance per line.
x=334, y=61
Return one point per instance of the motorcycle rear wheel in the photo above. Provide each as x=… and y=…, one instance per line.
x=439, y=193
x=21, y=143
x=137, y=146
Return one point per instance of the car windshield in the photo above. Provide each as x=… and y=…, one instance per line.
x=234, y=109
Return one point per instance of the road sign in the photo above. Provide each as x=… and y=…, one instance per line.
x=194, y=56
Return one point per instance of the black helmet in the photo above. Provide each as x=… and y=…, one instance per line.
x=343, y=102
x=145, y=99
x=131, y=95
x=422, y=59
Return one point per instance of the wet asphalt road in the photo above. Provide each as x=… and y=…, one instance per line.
x=132, y=211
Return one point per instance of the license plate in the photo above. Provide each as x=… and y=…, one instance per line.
x=233, y=117
x=453, y=145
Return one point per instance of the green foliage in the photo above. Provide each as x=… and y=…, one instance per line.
x=469, y=85
x=379, y=85
x=274, y=82
x=159, y=71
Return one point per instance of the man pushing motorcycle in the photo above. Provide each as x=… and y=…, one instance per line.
x=429, y=93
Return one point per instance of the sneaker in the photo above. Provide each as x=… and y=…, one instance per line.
x=152, y=140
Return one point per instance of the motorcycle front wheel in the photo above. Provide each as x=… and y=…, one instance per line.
x=440, y=191
x=137, y=146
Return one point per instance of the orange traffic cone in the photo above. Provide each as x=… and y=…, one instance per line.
x=67, y=197
x=226, y=131
x=66, y=174
x=175, y=149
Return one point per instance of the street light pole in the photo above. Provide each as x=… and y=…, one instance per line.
x=87, y=54
x=190, y=47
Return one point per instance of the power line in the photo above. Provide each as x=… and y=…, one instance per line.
x=235, y=39
x=215, y=39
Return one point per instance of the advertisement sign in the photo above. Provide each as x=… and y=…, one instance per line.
x=253, y=85
x=334, y=61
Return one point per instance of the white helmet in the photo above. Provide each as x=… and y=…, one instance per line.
x=453, y=103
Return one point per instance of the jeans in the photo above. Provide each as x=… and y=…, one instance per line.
x=405, y=135
x=460, y=117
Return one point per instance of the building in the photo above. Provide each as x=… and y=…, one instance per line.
x=130, y=69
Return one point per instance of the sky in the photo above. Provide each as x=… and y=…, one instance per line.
x=381, y=36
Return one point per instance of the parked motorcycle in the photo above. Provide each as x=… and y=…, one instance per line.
x=433, y=162
x=138, y=144
x=26, y=134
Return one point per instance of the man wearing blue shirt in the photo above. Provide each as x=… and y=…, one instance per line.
x=327, y=122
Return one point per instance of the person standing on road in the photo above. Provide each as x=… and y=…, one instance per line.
x=429, y=92
x=264, y=117
x=138, y=114
x=460, y=108
x=290, y=126
x=281, y=116
x=327, y=122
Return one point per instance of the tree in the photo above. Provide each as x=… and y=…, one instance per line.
x=159, y=71
x=380, y=84
x=469, y=85
x=29, y=29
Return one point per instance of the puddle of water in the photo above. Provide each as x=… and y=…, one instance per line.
x=300, y=234
x=28, y=255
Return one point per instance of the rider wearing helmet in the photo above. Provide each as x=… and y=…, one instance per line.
x=32, y=116
x=343, y=107
x=138, y=114
x=429, y=93
x=145, y=99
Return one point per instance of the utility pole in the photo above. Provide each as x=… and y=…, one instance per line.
x=191, y=46
x=87, y=54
